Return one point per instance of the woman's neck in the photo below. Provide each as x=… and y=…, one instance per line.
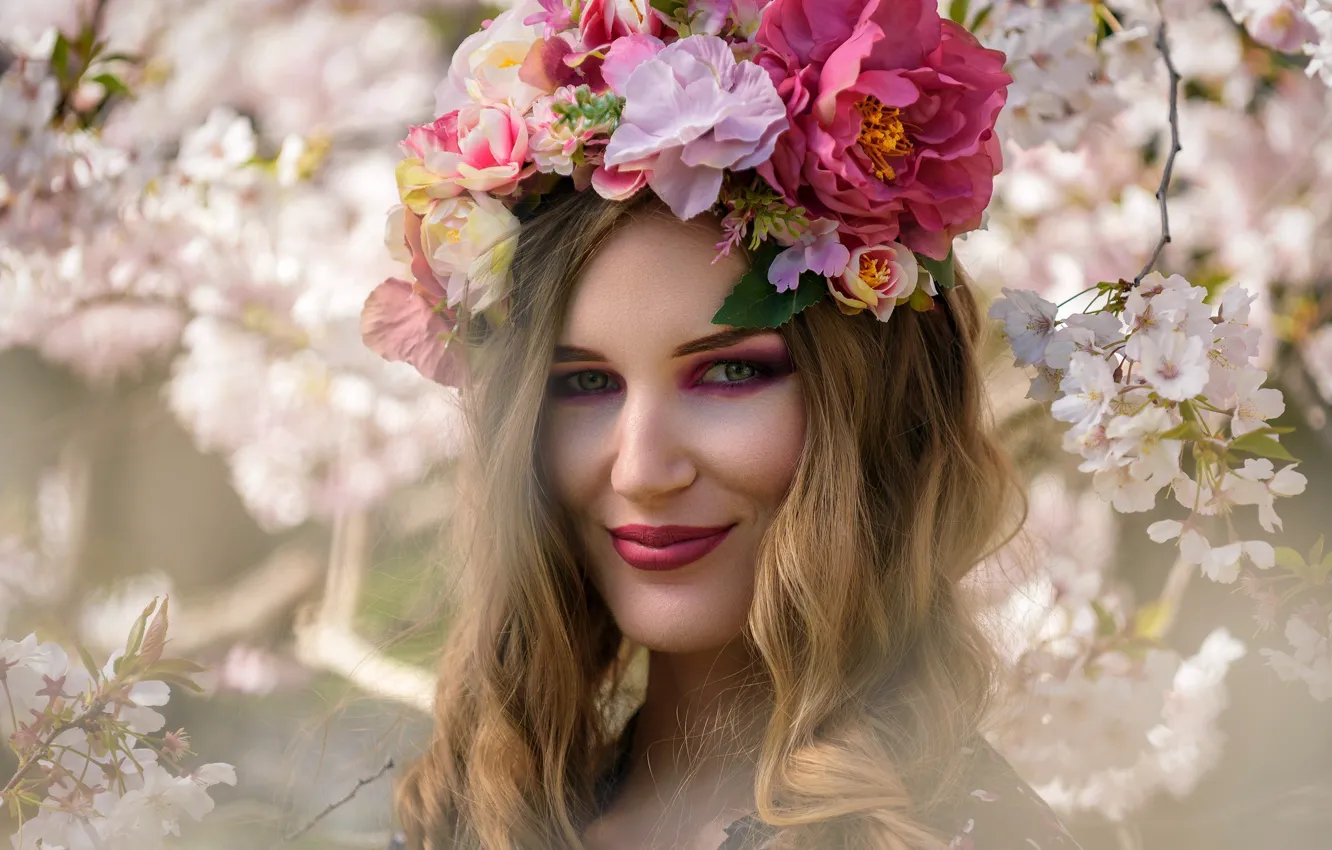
x=702, y=712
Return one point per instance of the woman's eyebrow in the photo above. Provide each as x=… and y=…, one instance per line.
x=711, y=342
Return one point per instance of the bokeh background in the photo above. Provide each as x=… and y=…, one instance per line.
x=186, y=407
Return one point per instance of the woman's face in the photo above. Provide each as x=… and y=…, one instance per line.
x=668, y=439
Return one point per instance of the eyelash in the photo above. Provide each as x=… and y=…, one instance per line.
x=563, y=385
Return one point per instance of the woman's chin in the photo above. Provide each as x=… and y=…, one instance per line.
x=678, y=625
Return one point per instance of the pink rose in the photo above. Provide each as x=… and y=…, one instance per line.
x=892, y=116
x=876, y=279
x=477, y=148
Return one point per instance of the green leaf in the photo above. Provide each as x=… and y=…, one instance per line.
x=1319, y=572
x=1151, y=620
x=1288, y=559
x=1316, y=552
x=88, y=662
x=173, y=667
x=1186, y=430
x=1261, y=445
x=1105, y=621
x=756, y=303
x=136, y=634
x=981, y=17
x=60, y=57
x=183, y=681
x=940, y=270
x=112, y=84
x=669, y=8
x=958, y=10
x=1187, y=410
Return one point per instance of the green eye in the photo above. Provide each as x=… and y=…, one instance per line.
x=589, y=381
x=733, y=372
x=738, y=371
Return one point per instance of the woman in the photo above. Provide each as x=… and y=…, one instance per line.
x=769, y=498
x=809, y=658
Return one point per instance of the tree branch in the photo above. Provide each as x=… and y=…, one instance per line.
x=360, y=783
x=1164, y=189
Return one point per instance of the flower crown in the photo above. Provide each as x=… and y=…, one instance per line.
x=844, y=144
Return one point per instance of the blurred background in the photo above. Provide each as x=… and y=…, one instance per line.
x=186, y=406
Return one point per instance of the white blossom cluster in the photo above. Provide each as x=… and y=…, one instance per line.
x=1096, y=713
x=91, y=747
x=114, y=256
x=1153, y=371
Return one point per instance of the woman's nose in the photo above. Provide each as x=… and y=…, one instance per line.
x=652, y=459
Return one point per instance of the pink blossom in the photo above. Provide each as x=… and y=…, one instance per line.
x=554, y=14
x=876, y=278
x=401, y=321
x=1281, y=25
x=892, y=118
x=691, y=112
x=478, y=148
x=817, y=249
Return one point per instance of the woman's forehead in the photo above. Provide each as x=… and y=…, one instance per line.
x=653, y=283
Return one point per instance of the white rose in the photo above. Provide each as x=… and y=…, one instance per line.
x=485, y=66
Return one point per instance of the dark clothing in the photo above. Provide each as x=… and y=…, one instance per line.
x=996, y=810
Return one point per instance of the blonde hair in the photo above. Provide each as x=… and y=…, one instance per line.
x=877, y=675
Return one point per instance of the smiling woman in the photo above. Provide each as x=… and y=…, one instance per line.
x=777, y=516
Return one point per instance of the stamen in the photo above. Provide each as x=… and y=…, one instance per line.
x=882, y=135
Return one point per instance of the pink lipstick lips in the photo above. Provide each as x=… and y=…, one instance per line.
x=665, y=547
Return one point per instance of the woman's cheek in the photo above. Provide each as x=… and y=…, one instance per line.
x=755, y=443
x=576, y=436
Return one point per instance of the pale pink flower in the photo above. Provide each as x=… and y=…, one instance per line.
x=1029, y=323
x=1175, y=364
x=1281, y=25
x=691, y=113
x=1089, y=387
x=816, y=249
x=1254, y=404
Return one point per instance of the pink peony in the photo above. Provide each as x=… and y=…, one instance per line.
x=892, y=116
x=624, y=56
x=691, y=112
x=477, y=148
x=876, y=279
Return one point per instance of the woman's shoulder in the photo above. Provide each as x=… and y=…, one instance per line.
x=996, y=810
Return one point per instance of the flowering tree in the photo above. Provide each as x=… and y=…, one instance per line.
x=1152, y=241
